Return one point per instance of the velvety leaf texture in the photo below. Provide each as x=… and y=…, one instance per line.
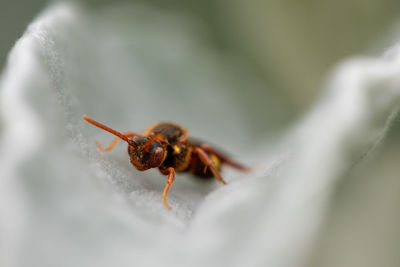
x=65, y=203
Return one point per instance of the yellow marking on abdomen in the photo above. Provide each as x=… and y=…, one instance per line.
x=216, y=161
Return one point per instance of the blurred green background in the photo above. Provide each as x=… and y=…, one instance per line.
x=312, y=36
x=14, y=18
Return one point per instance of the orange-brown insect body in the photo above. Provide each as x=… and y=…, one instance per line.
x=166, y=146
x=177, y=150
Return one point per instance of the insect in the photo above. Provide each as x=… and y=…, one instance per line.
x=166, y=146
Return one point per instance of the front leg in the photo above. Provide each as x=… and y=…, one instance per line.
x=114, y=142
x=170, y=181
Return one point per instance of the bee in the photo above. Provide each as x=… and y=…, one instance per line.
x=166, y=146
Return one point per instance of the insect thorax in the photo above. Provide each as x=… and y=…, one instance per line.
x=171, y=131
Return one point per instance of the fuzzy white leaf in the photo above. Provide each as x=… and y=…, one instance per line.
x=63, y=203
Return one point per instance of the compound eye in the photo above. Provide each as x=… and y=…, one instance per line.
x=156, y=155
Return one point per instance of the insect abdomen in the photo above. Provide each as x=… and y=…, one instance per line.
x=199, y=169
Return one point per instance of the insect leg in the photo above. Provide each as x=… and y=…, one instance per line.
x=114, y=142
x=224, y=159
x=170, y=181
x=209, y=163
x=104, y=149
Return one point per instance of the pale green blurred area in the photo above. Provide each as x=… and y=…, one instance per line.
x=362, y=228
x=295, y=43
x=14, y=18
x=291, y=46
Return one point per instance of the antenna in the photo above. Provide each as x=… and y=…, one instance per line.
x=108, y=129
